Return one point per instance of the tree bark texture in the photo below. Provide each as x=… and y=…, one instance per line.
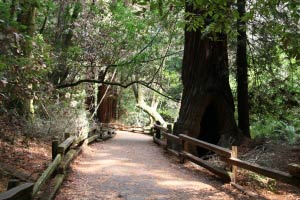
x=27, y=18
x=92, y=89
x=108, y=108
x=242, y=72
x=64, y=35
x=207, y=106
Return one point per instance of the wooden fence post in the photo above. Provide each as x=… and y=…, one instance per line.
x=169, y=127
x=234, y=168
x=294, y=169
x=22, y=192
x=54, y=148
x=157, y=131
x=66, y=136
x=181, y=156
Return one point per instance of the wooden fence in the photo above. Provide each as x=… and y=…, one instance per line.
x=65, y=152
x=62, y=156
x=228, y=156
x=135, y=129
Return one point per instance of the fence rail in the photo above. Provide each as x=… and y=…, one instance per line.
x=135, y=129
x=217, y=149
x=226, y=155
x=64, y=153
x=62, y=156
x=20, y=192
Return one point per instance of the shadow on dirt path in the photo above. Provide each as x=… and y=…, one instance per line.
x=131, y=167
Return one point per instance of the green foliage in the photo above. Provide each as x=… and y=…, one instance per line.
x=278, y=131
x=143, y=41
x=68, y=115
x=4, y=13
x=263, y=181
x=129, y=113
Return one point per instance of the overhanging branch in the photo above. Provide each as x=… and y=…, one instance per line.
x=145, y=61
x=147, y=85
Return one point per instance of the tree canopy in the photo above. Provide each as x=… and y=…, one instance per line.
x=63, y=57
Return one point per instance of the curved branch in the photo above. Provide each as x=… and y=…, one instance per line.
x=167, y=51
x=145, y=61
x=147, y=45
x=145, y=84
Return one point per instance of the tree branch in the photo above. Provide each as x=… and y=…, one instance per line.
x=145, y=84
x=145, y=61
x=167, y=51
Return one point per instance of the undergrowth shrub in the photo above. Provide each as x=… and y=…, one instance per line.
x=276, y=130
x=61, y=118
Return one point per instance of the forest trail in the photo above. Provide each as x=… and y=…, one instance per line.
x=131, y=167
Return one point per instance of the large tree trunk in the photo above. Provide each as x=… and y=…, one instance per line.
x=242, y=72
x=207, y=107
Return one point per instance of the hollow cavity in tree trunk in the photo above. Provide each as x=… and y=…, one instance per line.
x=207, y=106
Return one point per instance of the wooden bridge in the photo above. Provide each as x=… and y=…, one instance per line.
x=132, y=167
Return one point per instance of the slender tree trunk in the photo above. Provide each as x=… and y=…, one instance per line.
x=27, y=18
x=64, y=35
x=154, y=105
x=242, y=72
x=44, y=25
x=68, y=36
x=12, y=9
x=207, y=106
x=151, y=111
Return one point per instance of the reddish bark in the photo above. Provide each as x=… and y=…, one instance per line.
x=107, y=109
x=207, y=107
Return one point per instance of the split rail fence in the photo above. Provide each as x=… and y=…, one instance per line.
x=134, y=129
x=228, y=156
x=62, y=156
x=65, y=152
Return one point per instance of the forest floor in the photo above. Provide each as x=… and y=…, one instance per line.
x=274, y=155
x=131, y=167
x=22, y=156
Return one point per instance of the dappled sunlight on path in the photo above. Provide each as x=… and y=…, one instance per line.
x=131, y=167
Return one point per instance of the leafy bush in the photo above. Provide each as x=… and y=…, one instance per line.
x=61, y=118
x=275, y=130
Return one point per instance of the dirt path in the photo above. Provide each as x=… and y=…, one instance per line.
x=131, y=167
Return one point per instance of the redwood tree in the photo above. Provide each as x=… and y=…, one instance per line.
x=107, y=111
x=207, y=106
x=242, y=71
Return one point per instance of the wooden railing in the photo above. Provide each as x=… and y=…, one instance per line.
x=135, y=129
x=228, y=156
x=62, y=156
